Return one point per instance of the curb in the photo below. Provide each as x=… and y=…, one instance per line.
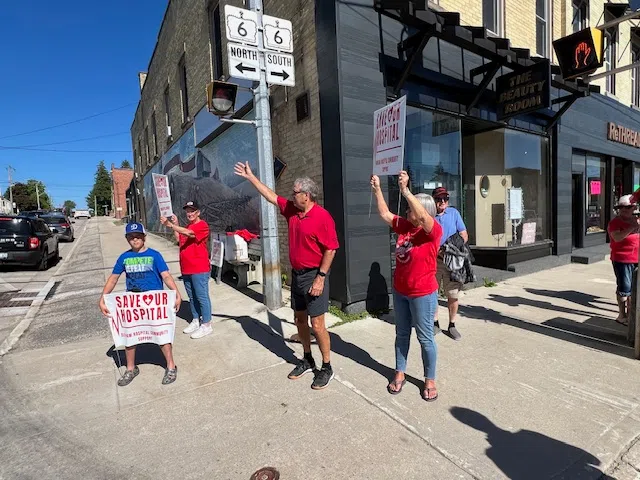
x=25, y=323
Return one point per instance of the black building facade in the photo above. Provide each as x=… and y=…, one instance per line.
x=515, y=181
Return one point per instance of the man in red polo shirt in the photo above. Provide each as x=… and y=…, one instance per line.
x=312, y=245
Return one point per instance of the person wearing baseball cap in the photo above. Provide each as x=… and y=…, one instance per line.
x=195, y=267
x=451, y=222
x=145, y=270
x=623, y=232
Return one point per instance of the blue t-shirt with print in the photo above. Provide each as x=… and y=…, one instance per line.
x=451, y=222
x=143, y=269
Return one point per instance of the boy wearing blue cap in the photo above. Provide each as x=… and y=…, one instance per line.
x=145, y=270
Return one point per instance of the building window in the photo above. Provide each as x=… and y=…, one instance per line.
x=146, y=141
x=154, y=132
x=215, y=39
x=580, y=15
x=492, y=16
x=542, y=27
x=167, y=111
x=596, y=177
x=184, y=95
x=610, y=55
x=635, y=76
x=499, y=168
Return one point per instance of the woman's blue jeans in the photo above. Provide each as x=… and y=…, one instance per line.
x=197, y=287
x=418, y=312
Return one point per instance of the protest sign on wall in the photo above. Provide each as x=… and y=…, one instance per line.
x=388, y=138
x=161, y=186
x=146, y=317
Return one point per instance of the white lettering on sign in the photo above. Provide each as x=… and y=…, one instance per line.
x=388, y=138
x=278, y=33
x=280, y=69
x=244, y=62
x=242, y=25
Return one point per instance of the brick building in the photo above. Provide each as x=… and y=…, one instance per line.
x=353, y=58
x=120, y=181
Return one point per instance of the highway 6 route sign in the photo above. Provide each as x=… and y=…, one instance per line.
x=241, y=25
x=277, y=34
x=244, y=62
x=280, y=69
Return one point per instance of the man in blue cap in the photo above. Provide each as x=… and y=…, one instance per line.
x=145, y=270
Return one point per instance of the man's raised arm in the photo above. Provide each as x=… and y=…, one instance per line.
x=244, y=171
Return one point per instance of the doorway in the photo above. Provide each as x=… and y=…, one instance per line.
x=577, y=210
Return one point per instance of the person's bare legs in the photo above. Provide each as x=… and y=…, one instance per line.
x=167, y=351
x=302, y=324
x=452, y=304
x=322, y=337
x=130, y=355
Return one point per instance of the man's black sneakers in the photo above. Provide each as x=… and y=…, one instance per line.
x=301, y=369
x=322, y=379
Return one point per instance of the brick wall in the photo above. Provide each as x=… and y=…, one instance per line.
x=120, y=182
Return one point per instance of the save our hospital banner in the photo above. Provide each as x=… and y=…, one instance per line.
x=388, y=138
x=146, y=317
x=163, y=194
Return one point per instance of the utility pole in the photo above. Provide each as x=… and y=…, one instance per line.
x=10, y=170
x=268, y=219
x=95, y=205
x=38, y=195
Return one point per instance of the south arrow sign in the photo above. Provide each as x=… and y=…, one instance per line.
x=244, y=62
x=280, y=69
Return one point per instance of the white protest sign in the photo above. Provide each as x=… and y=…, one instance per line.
x=388, y=138
x=217, y=253
x=161, y=185
x=146, y=317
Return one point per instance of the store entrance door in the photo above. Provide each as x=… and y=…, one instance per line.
x=577, y=210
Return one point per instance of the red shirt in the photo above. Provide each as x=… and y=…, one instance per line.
x=625, y=251
x=194, y=254
x=310, y=234
x=416, y=254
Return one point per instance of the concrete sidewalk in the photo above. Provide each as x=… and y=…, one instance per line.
x=520, y=396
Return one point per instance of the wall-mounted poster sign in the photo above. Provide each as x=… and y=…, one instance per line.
x=524, y=91
x=528, y=233
x=595, y=187
x=620, y=134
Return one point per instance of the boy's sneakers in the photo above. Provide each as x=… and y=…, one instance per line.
x=204, y=330
x=193, y=326
x=323, y=377
x=301, y=369
x=128, y=377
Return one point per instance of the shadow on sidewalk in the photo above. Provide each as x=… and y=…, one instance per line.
x=517, y=301
x=583, y=299
x=562, y=329
x=530, y=455
x=146, y=354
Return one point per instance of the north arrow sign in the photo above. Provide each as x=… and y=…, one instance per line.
x=244, y=62
x=244, y=68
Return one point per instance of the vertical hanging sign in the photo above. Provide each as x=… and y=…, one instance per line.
x=388, y=138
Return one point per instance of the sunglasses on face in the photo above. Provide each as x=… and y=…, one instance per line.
x=135, y=236
x=627, y=207
x=442, y=200
x=294, y=193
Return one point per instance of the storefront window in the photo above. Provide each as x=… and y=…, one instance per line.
x=596, y=218
x=506, y=181
x=636, y=178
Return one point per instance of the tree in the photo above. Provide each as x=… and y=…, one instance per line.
x=25, y=195
x=101, y=191
x=69, y=206
x=125, y=164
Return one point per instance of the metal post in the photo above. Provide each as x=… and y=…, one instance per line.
x=95, y=206
x=10, y=169
x=272, y=288
x=38, y=195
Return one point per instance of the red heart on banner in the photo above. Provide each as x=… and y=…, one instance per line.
x=147, y=299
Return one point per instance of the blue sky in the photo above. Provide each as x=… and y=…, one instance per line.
x=66, y=60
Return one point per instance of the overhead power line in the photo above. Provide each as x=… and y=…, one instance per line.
x=70, y=151
x=66, y=141
x=67, y=123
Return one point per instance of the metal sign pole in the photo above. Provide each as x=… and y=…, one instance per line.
x=268, y=218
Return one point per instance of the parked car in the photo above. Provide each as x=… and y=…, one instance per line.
x=27, y=241
x=34, y=213
x=60, y=224
x=82, y=214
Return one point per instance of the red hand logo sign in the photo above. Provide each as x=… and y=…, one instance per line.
x=582, y=54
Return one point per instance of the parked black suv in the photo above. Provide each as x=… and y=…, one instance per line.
x=27, y=241
x=60, y=224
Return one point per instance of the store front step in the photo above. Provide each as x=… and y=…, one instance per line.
x=590, y=254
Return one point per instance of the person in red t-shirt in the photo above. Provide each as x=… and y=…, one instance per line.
x=415, y=287
x=623, y=233
x=195, y=267
x=313, y=242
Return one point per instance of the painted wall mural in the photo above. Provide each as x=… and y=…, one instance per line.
x=205, y=175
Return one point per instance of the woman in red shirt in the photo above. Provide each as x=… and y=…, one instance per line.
x=415, y=288
x=623, y=233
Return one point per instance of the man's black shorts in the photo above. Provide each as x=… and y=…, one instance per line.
x=300, y=297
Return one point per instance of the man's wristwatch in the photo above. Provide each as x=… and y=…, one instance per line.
x=321, y=274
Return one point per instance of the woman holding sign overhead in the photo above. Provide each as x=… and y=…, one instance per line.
x=415, y=288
